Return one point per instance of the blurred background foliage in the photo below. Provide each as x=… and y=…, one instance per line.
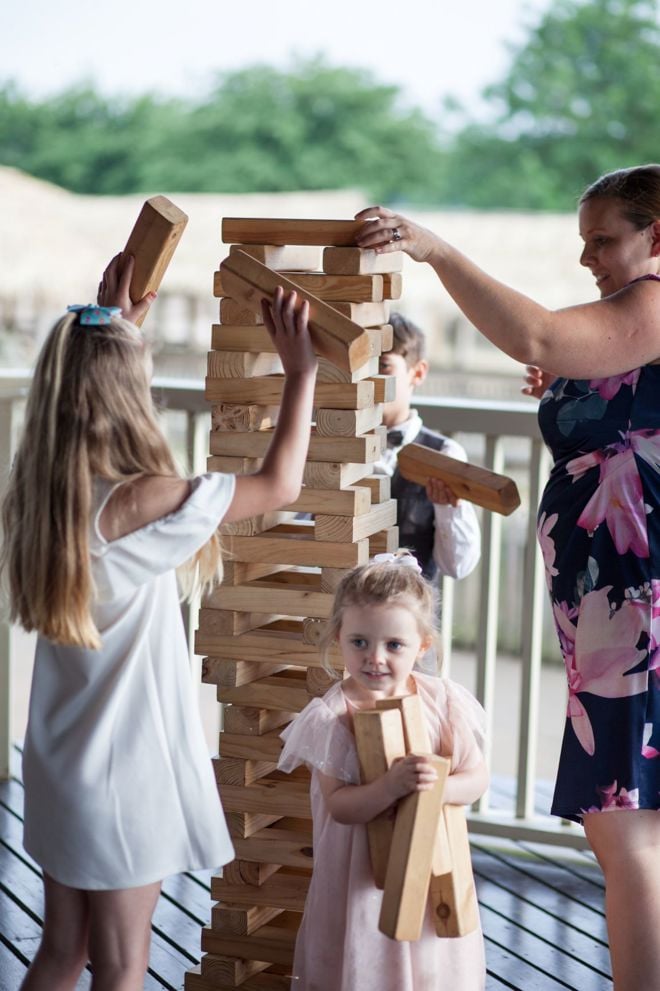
x=580, y=97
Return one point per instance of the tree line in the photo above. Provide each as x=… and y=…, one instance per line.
x=580, y=97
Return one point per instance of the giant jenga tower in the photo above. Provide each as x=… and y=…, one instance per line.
x=259, y=631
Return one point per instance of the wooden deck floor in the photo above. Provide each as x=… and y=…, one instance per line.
x=541, y=909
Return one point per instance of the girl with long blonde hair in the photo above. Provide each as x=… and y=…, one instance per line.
x=119, y=791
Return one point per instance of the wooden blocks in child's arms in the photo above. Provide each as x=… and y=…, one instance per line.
x=497, y=493
x=334, y=335
x=152, y=243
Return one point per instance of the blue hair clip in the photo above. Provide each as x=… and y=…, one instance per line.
x=95, y=316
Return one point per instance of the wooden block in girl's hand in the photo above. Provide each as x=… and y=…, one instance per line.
x=498, y=493
x=379, y=741
x=410, y=861
x=453, y=894
x=152, y=243
x=255, y=230
x=334, y=335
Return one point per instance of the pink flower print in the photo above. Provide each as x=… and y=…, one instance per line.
x=619, y=502
x=649, y=752
x=646, y=445
x=578, y=467
x=607, y=388
x=548, y=544
x=622, y=799
x=598, y=651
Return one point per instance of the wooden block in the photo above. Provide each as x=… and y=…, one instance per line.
x=229, y=970
x=269, y=979
x=253, y=722
x=386, y=337
x=252, y=525
x=363, y=314
x=237, y=771
x=334, y=336
x=347, y=422
x=252, y=230
x=244, y=824
x=242, y=337
x=332, y=474
x=351, y=501
x=273, y=943
x=331, y=577
x=279, y=642
x=297, y=550
x=360, y=261
x=267, y=391
x=233, y=416
x=235, y=311
x=345, y=528
x=392, y=286
x=270, y=796
x=241, y=364
x=379, y=740
x=216, y=671
x=409, y=867
x=342, y=288
x=237, y=572
x=329, y=372
x=254, y=444
x=313, y=631
x=289, y=841
x=286, y=892
x=230, y=622
x=275, y=692
x=152, y=242
x=267, y=747
x=318, y=681
x=233, y=466
x=283, y=257
x=379, y=486
x=241, y=920
x=383, y=542
x=498, y=493
x=282, y=598
x=249, y=871
x=453, y=894
x=384, y=388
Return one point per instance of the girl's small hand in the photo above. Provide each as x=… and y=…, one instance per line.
x=381, y=233
x=289, y=330
x=537, y=381
x=408, y=774
x=114, y=289
x=440, y=493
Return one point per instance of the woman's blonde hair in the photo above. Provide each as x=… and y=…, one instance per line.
x=89, y=414
x=397, y=580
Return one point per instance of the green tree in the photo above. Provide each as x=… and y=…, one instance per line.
x=581, y=98
x=260, y=129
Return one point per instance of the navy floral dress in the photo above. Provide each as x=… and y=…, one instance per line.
x=599, y=530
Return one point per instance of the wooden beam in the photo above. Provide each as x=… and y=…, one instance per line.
x=274, y=692
x=392, y=285
x=342, y=288
x=280, y=257
x=497, y=493
x=252, y=230
x=380, y=487
x=380, y=741
x=254, y=444
x=267, y=391
x=354, y=500
x=283, y=891
x=272, y=943
x=348, y=422
x=241, y=364
x=268, y=980
x=411, y=854
x=152, y=242
x=358, y=261
x=453, y=894
x=279, y=642
x=334, y=335
x=241, y=920
x=231, y=674
x=253, y=722
x=285, y=600
x=343, y=528
x=288, y=841
x=269, y=796
x=297, y=550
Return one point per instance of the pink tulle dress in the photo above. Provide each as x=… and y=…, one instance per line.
x=339, y=946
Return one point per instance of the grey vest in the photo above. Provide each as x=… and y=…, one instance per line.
x=415, y=514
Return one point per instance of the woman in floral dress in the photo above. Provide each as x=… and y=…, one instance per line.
x=599, y=525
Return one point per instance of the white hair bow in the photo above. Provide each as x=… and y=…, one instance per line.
x=402, y=560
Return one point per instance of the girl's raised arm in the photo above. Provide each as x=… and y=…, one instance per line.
x=279, y=479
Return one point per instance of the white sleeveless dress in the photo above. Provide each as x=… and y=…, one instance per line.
x=119, y=788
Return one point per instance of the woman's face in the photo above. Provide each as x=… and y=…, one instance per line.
x=615, y=251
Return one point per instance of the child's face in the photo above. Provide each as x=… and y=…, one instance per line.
x=407, y=378
x=380, y=644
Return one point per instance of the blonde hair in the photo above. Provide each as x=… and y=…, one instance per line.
x=379, y=583
x=89, y=414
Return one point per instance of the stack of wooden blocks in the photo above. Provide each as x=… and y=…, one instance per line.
x=260, y=629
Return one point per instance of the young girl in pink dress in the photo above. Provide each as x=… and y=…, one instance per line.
x=383, y=621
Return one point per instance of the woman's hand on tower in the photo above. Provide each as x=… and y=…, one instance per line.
x=386, y=231
x=287, y=325
x=115, y=285
x=408, y=774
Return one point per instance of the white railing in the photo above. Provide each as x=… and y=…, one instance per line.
x=509, y=435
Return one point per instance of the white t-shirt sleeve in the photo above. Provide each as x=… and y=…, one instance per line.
x=457, y=538
x=166, y=543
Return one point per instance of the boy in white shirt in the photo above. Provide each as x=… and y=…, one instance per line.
x=441, y=531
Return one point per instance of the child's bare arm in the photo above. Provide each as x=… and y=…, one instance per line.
x=465, y=787
x=362, y=803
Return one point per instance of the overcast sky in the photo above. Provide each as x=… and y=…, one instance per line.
x=432, y=48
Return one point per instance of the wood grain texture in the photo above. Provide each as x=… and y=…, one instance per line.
x=358, y=261
x=265, y=230
x=495, y=492
x=152, y=242
x=267, y=391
